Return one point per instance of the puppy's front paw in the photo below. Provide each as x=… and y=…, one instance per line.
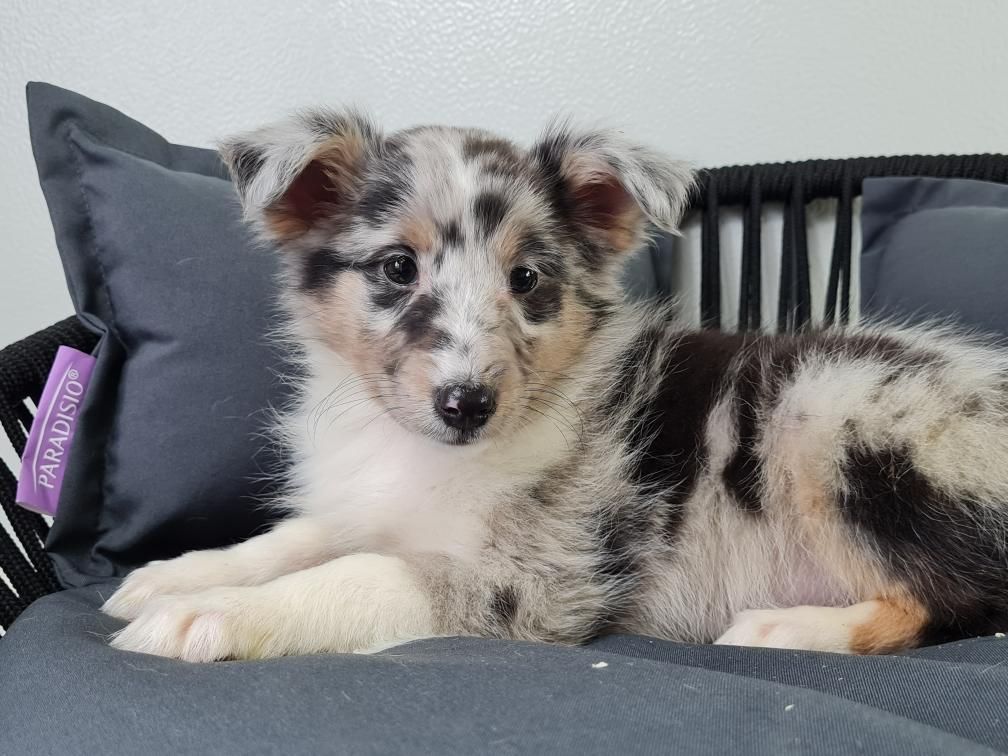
x=188, y=573
x=357, y=603
x=210, y=626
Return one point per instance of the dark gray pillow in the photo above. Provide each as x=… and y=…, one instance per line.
x=648, y=272
x=936, y=248
x=167, y=453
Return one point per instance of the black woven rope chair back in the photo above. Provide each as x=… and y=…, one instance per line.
x=750, y=188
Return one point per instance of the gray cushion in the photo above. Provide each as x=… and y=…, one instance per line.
x=936, y=248
x=64, y=690
x=648, y=273
x=158, y=263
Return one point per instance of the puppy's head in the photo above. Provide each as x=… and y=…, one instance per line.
x=460, y=275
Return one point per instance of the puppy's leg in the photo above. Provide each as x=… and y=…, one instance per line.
x=354, y=603
x=291, y=545
x=357, y=603
x=871, y=627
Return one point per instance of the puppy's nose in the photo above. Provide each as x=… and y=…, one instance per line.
x=465, y=406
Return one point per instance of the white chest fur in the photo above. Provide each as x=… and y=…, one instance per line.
x=385, y=489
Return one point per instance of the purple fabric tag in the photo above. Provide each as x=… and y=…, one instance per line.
x=52, y=432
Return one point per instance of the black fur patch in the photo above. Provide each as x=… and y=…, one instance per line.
x=624, y=536
x=320, y=268
x=441, y=339
x=533, y=244
x=543, y=303
x=451, y=234
x=496, y=157
x=482, y=145
x=417, y=320
x=534, y=250
x=667, y=435
x=940, y=546
x=379, y=200
x=742, y=472
x=324, y=124
x=504, y=605
x=505, y=168
x=622, y=532
x=594, y=257
x=248, y=161
x=600, y=309
x=548, y=155
x=384, y=195
x=616, y=403
x=489, y=209
x=385, y=294
x=668, y=432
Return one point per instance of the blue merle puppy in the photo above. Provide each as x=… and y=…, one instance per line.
x=488, y=441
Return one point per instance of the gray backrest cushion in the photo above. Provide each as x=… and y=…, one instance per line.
x=168, y=447
x=648, y=272
x=936, y=248
x=169, y=454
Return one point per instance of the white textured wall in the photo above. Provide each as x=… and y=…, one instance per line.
x=718, y=82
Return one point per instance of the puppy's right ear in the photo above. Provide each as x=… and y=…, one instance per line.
x=301, y=175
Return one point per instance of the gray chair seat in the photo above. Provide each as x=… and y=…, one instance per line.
x=63, y=690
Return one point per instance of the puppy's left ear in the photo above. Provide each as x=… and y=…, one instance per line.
x=612, y=187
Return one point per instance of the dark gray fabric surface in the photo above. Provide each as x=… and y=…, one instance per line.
x=158, y=262
x=63, y=690
x=936, y=248
x=648, y=273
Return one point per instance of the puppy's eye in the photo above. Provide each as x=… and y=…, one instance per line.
x=401, y=269
x=523, y=280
